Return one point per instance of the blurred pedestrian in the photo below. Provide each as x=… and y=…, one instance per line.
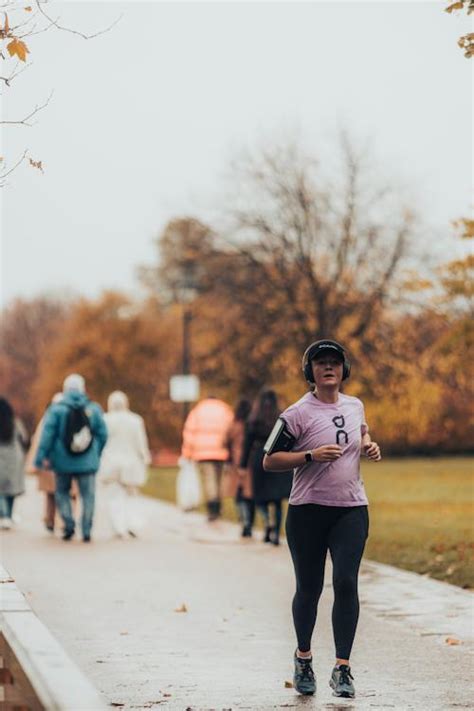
x=204, y=441
x=73, y=437
x=237, y=480
x=269, y=489
x=124, y=464
x=46, y=479
x=13, y=444
x=323, y=436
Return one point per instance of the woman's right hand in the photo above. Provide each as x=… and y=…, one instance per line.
x=327, y=453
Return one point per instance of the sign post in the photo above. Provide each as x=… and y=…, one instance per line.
x=184, y=388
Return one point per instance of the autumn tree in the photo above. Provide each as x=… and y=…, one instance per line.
x=189, y=260
x=302, y=256
x=118, y=344
x=185, y=247
x=423, y=401
x=27, y=330
x=453, y=351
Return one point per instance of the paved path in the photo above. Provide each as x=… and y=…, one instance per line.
x=112, y=606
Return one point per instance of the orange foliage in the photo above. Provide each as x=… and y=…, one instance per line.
x=116, y=344
x=27, y=328
x=412, y=369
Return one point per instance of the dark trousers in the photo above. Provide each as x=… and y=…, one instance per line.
x=311, y=531
x=272, y=516
x=6, y=505
x=246, y=511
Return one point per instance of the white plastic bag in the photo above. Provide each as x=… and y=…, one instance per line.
x=188, y=485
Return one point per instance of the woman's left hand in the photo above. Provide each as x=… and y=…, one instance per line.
x=372, y=451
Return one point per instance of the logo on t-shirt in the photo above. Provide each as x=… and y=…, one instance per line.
x=341, y=434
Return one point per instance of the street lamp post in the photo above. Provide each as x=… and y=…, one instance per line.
x=187, y=318
x=184, y=387
x=188, y=291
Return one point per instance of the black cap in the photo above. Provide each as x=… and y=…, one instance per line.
x=326, y=347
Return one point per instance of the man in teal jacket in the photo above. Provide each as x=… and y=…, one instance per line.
x=54, y=452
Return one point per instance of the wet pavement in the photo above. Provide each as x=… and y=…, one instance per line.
x=188, y=617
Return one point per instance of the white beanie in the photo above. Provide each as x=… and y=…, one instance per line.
x=117, y=401
x=74, y=382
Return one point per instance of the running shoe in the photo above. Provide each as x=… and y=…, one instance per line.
x=304, y=680
x=341, y=681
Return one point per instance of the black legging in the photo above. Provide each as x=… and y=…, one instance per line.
x=311, y=530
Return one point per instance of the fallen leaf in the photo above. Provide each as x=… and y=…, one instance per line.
x=181, y=608
x=18, y=47
x=452, y=641
x=288, y=685
x=37, y=164
x=455, y=6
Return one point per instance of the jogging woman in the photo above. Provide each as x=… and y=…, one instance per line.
x=326, y=433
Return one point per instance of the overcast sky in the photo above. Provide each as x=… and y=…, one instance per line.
x=144, y=119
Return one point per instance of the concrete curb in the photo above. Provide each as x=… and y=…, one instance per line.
x=37, y=672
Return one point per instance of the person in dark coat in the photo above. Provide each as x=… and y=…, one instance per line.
x=269, y=488
x=13, y=443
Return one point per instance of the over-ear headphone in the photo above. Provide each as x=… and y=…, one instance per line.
x=323, y=345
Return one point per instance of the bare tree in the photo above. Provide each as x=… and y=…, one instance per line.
x=330, y=248
x=184, y=250
x=303, y=256
x=27, y=327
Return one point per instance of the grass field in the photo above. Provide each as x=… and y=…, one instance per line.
x=421, y=514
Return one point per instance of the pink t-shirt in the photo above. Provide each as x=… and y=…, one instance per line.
x=315, y=423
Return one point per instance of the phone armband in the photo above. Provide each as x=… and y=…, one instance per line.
x=279, y=439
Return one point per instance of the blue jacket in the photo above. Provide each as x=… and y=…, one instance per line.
x=52, y=446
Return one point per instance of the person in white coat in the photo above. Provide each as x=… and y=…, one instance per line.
x=124, y=465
